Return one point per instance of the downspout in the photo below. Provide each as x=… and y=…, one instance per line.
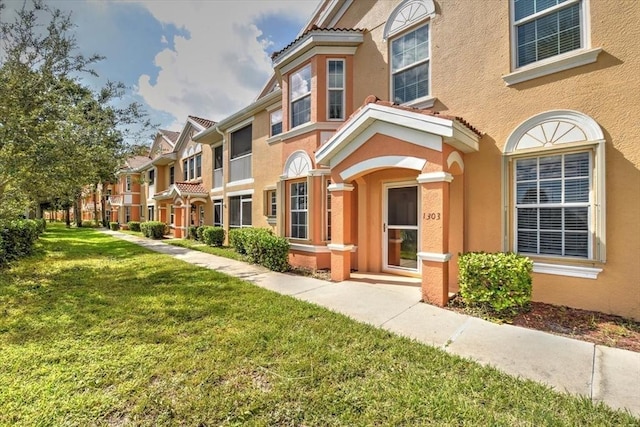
x=225, y=224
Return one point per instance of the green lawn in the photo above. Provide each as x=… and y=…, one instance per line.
x=98, y=331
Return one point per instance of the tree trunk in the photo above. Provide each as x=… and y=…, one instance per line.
x=67, y=216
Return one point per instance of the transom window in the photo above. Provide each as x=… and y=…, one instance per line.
x=410, y=65
x=546, y=28
x=300, y=96
x=553, y=205
x=299, y=210
x=335, y=87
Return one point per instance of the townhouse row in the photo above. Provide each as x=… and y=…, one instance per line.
x=394, y=135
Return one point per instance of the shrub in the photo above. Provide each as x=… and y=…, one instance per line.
x=237, y=238
x=212, y=236
x=199, y=233
x=264, y=248
x=499, y=281
x=17, y=239
x=193, y=232
x=134, y=225
x=153, y=229
x=114, y=226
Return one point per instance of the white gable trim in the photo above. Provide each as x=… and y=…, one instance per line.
x=406, y=162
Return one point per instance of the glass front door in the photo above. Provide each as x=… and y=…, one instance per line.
x=400, y=227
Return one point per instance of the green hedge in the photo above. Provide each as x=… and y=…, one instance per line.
x=153, y=229
x=499, y=281
x=212, y=236
x=134, y=225
x=18, y=238
x=261, y=247
x=114, y=226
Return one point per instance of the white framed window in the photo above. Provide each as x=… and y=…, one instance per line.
x=327, y=224
x=172, y=216
x=217, y=167
x=298, y=210
x=127, y=187
x=150, y=213
x=240, y=154
x=410, y=65
x=198, y=166
x=276, y=122
x=553, y=205
x=172, y=175
x=152, y=176
x=271, y=203
x=546, y=28
x=335, y=89
x=201, y=215
x=240, y=211
x=300, y=96
x=127, y=214
x=217, y=213
x=185, y=170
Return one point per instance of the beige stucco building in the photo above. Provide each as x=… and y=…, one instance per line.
x=396, y=134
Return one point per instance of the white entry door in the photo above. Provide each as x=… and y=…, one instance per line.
x=400, y=227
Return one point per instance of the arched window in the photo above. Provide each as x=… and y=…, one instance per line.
x=409, y=51
x=556, y=182
x=296, y=170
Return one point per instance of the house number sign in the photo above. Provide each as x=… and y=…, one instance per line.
x=431, y=216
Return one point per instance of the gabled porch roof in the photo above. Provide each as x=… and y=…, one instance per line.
x=421, y=127
x=182, y=189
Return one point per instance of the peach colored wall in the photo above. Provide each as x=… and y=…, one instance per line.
x=602, y=90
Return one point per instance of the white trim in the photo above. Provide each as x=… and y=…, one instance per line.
x=434, y=256
x=455, y=157
x=298, y=164
x=567, y=270
x=406, y=162
x=319, y=172
x=216, y=189
x=340, y=247
x=218, y=197
x=240, y=125
x=424, y=102
x=318, y=43
x=240, y=193
x=304, y=128
x=340, y=187
x=239, y=182
x=385, y=229
x=567, y=61
x=399, y=34
x=316, y=249
x=434, y=177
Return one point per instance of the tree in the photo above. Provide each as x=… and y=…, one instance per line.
x=56, y=134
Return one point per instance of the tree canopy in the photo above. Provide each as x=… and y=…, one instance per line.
x=56, y=133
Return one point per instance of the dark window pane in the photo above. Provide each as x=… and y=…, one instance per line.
x=241, y=142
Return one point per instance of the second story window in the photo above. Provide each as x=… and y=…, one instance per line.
x=335, y=87
x=152, y=176
x=543, y=29
x=185, y=170
x=172, y=175
x=300, y=96
x=410, y=65
x=127, y=187
x=198, y=165
x=240, y=163
x=217, y=167
x=192, y=168
x=276, y=122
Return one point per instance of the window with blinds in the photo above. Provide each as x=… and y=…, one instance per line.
x=410, y=65
x=546, y=28
x=553, y=205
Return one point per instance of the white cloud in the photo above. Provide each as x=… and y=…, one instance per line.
x=221, y=66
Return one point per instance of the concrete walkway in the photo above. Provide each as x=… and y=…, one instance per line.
x=603, y=374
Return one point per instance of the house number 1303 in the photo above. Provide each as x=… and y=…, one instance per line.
x=431, y=216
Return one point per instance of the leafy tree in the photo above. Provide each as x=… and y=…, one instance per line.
x=56, y=134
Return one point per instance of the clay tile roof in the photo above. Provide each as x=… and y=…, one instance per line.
x=191, y=187
x=137, y=161
x=171, y=135
x=314, y=28
x=203, y=122
x=372, y=99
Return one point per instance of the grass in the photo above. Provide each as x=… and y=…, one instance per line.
x=98, y=331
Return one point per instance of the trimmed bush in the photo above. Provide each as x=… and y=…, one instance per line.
x=134, y=225
x=499, y=281
x=193, y=232
x=153, y=229
x=199, y=232
x=114, y=226
x=17, y=239
x=237, y=237
x=212, y=236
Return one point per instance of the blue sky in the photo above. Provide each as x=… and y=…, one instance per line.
x=204, y=58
